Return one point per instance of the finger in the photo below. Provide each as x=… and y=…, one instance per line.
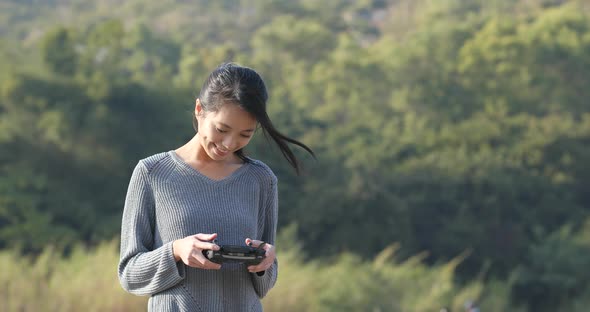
x=256, y=268
x=192, y=262
x=193, y=259
x=262, y=266
x=206, y=264
x=203, y=263
x=205, y=246
x=253, y=242
x=260, y=244
x=206, y=237
x=265, y=264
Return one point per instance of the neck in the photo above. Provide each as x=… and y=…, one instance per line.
x=196, y=150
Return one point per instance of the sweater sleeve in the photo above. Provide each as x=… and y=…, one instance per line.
x=264, y=281
x=142, y=269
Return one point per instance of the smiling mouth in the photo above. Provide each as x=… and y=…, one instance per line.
x=221, y=151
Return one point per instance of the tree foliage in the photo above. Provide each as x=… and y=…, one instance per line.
x=451, y=127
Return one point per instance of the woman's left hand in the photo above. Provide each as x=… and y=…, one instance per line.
x=270, y=256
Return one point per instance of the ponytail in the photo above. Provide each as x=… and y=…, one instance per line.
x=231, y=83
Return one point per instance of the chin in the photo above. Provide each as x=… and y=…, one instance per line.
x=214, y=156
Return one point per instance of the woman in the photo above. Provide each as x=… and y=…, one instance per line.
x=180, y=201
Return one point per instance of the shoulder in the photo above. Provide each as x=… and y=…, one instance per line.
x=151, y=163
x=262, y=171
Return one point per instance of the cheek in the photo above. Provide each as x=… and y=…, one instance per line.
x=214, y=136
x=209, y=134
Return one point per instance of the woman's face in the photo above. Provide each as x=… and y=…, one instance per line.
x=225, y=131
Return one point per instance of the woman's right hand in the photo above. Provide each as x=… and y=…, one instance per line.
x=190, y=251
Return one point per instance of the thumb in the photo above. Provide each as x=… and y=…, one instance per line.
x=253, y=242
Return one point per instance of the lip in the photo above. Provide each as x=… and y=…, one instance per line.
x=219, y=152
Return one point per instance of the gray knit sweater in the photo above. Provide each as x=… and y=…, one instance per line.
x=168, y=200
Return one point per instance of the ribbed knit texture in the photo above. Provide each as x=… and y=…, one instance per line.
x=168, y=200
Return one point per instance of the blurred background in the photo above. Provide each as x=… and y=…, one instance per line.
x=453, y=142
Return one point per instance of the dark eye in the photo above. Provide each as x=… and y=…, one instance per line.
x=245, y=136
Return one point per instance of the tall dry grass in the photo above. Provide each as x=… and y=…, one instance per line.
x=86, y=280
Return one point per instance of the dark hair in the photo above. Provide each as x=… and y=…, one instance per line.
x=231, y=83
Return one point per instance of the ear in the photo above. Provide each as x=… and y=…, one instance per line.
x=198, y=108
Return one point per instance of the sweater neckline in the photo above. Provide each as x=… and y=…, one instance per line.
x=196, y=172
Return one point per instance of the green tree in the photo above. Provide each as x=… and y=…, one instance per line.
x=59, y=51
x=554, y=271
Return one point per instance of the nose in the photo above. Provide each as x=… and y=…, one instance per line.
x=227, y=143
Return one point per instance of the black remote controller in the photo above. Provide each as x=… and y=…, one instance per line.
x=233, y=253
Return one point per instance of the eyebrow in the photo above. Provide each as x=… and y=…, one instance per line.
x=247, y=130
